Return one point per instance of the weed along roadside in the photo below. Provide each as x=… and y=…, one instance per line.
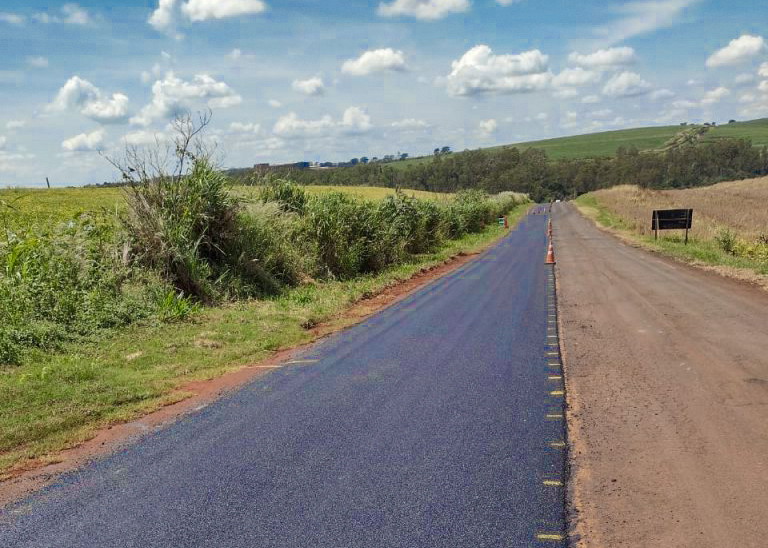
x=194, y=282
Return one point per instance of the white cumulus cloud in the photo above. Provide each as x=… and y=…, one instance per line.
x=12, y=18
x=200, y=10
x=356, y=120
x=239, y=127
x=422, y=9
x=576, y=77
x=162, y=17
x=377, y=60
x=763, y=70
x=410, y=123
x=488, y=127
x=591, y=99
x=172, y=96
x=604, y=59
x=15, y=124
x=89, y=100
x=85, y=142
x=661, y=94
x=310, y=86
x=481, y=71
x=291, y=125
x=715, y=95
x=744, y=79
x=626, y=84
x=69, y=14
x=274, y=103
x=737, y=50
x=566, y=93
x=37, y=62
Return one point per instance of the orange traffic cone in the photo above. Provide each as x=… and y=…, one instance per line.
x=550, y=255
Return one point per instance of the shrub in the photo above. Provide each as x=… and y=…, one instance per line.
x=64, y=283
x=726, y=240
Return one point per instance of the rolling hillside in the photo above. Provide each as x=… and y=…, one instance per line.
x=648, y=138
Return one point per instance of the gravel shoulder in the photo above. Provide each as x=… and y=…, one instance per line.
x=667, y=375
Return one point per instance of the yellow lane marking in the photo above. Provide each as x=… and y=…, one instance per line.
x=554, y=416
x=553, y=483
x=549, y=536
x=555, y=377
x=557, y=393
x=552, y=353
x=302, y=361
x=551, y=336
x=557, y=444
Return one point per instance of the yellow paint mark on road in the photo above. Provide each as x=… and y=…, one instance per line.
x=553, y=483
x=557, y=444
x=554, y=416
x=553, y=353
x=555, y=377
x=557, y=393
x=550, y=536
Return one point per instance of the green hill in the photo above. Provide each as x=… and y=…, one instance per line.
x=648, y=138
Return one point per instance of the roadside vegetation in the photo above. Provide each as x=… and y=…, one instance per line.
x=106, y=311
x=730, y=221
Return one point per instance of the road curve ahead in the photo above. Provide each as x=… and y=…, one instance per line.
x=436, y=423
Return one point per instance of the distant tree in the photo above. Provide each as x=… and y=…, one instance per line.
x=354, y=161
x=731, y=121
x=364, y=160
x=437, y=151
x=445, y=150
x=404, y=155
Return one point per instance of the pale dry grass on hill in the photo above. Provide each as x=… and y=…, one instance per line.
x=740, y=206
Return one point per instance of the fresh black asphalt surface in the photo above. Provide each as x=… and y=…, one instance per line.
x=432, y=424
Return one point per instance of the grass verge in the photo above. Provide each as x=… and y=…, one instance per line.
x=58, y=400
x=699, y=252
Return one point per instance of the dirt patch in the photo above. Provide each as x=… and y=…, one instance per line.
x=35, y=474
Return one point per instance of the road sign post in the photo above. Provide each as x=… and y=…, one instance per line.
x=671, y=219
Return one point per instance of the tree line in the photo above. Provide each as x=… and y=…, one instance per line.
x=531, y=171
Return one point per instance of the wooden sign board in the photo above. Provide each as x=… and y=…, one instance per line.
x=672, y=219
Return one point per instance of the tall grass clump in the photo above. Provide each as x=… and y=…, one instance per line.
x=184, y=222
x=66, y=282
x=350, y=236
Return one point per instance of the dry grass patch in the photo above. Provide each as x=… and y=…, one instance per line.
x=741, y=206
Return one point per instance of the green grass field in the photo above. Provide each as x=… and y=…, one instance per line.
x=606, y=143
x=45, y=206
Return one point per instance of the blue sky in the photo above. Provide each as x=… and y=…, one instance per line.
x=311, y=80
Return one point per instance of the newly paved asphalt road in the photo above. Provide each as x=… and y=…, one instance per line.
x=435, y=423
